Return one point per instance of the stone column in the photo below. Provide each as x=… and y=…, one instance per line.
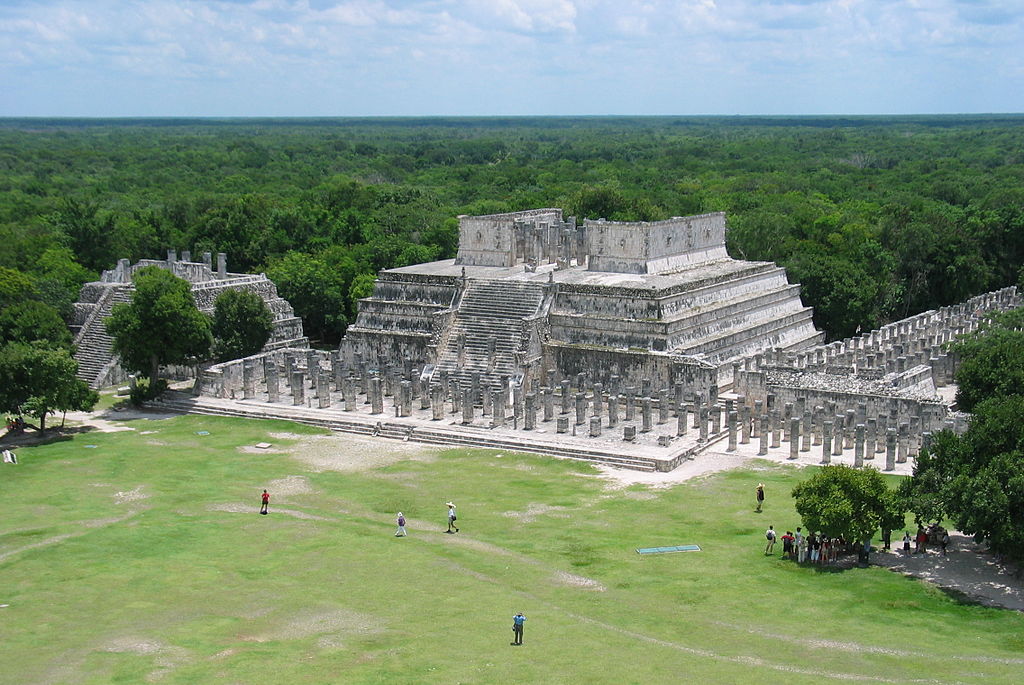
x=348, y=392
x=597, y=401
x=858, y=446
x=376, y=395
x=437, y=402
x=678, y=403
x=702, y=417
x=581, y=408
x=871, y=436
x=733, y=420
x=787, y=414
x=848, y=424
x=744, y=424
x=808, y=429
x=613, y=411
x=794, y=438
x=273, y=382
x=646, y=415
x=890, y=449
x=548, y=400
x=774, y=428
x=681, y=420
x=663, y=408
x=716, y=419
x=500, y=398
x=903, y=445
x=826, y=442
x=629, y=433
x=467, y=406
x=530, y=415
x=816, y=429
x=565, y=397
x=486, y=400
x=630, y=403
x=298, y=389
x=763, y=433
x=323, y=390
x=405, y=392
x=758, y=411
x=562, y=424
x=248, y=381
x=595, y=426
x=837, y=427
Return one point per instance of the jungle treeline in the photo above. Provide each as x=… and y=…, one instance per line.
x=878, y=218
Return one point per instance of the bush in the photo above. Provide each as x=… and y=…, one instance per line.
x=142, y=392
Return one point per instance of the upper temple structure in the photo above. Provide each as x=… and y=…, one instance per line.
x=531, y=292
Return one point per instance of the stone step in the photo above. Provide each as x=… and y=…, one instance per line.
x=332, y=421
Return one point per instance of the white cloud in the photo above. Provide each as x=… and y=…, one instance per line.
x=492, y=56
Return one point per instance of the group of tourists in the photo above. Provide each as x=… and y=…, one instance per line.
x=811, y=548
x=935, y=532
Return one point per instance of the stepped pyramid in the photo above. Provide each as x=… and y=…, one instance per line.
x=97, y=363
x=530, y=295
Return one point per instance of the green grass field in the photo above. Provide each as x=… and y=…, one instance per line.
x=143, y=559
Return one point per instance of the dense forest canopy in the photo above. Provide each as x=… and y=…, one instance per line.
x=877, y=217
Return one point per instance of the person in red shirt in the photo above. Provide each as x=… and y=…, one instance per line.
x=266, y=502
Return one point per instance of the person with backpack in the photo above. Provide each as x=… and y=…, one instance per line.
x=517, y=628
x=759, y=493
x=400, y=533
x=770, y=535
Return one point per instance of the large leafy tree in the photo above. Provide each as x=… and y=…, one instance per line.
x=847, y=502
x=32, y=320
x=977, y=479
x=992, y=361
x=161, y=325
x=36, y=381
x=242, y=324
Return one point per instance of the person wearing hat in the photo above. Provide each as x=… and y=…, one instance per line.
x=760, y=496
x=517, y=628
x=400, y=533
x=452, y=518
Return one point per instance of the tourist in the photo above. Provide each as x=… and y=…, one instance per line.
x=906, y=542
x=770, y=535
x=400, y=533
x=801, y=548
x=922, y=542
x=452, y=518
x=814, y=546
x=266, y=502
x=517, y=628
x=760, y=496
x=787, y=544
x=826, y=549
x=886, y=539
x=945, y=541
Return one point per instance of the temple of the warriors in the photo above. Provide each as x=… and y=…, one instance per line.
x=531, y=294
x=639, y=345
x=96, y=362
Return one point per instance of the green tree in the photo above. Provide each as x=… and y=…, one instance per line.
x=37, y=381
x=977, y=479
x=161, y=325
x=992, y=361
x=33, y=321
x=362, y=286
x=314, y=292
x=847, y=502
x=242, y=324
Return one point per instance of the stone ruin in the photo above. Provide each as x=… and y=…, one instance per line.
x=97, y=363
x=613, y=342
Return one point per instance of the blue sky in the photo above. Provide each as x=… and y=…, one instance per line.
x=509, y=57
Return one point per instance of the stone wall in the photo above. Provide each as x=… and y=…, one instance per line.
x=491, y=240
x=654, y=247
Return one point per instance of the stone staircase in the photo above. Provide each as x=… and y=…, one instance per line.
x=93, y=347
x=489, y=311
x=433, y=434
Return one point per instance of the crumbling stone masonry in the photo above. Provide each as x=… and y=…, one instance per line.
x=96, y=361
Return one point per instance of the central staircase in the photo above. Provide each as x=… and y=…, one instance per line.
x=488, y=329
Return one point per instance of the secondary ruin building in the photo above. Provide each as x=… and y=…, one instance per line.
x=97, y=363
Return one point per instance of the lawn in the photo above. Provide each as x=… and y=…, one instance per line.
x=140, y=557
